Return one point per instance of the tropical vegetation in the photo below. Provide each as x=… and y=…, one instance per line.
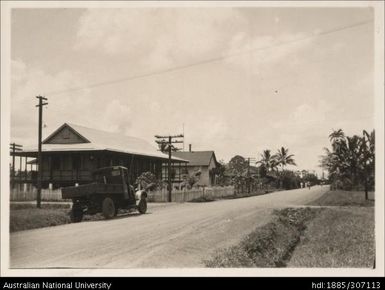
x=350, y=161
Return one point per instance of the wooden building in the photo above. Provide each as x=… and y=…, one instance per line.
x=203, y=161
x=72, y=152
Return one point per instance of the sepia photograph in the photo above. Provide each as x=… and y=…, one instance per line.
x=192, y=138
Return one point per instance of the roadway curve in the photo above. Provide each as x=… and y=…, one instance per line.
x=170, y=235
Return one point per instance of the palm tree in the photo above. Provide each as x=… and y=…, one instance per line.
x=352, y=156
x=267, y=160
x=283, y=158
x=367, y=160
x=336, y=135
x=351, y=160
x=336, y=138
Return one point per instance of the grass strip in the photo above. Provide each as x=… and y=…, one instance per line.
x=32, y=218
x=344, y=198
x=268, y=246
x=337, y=237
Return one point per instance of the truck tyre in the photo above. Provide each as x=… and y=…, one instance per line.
x=108, y=208
x=76, y=213
x=142, y=206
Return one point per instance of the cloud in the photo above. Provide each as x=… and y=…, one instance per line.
x=116, y=117
x=260, y=52
x=157, y=36
x=305, y=118
x=29, y=82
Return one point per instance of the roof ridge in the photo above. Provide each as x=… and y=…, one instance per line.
x=194, y=151
x=103, y=131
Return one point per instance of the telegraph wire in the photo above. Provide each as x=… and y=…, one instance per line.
x=211, y=60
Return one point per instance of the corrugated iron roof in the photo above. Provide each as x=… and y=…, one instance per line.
x=101, y=140
x=196, y=158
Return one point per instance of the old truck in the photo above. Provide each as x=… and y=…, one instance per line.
x=109, y=192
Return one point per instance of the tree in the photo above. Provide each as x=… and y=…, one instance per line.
x=163, y=146
x=367, y=163
x=283, y=158
x=312, y=178
x=336, y=136
x=148, y=180
x=219, y=171
x=267, y=161
x=191, y=180
x=238, y=168
x=350, y=162
x=238, y=165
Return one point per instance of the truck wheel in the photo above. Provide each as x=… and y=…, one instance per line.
x=142, y=206
x=108, y=208
x=76, y=213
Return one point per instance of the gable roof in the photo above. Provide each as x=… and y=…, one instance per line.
x=100, y=140
x=71, y=129
x=197, y=158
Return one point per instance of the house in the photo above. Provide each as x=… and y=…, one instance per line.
x=203, y=161
x=72, y=152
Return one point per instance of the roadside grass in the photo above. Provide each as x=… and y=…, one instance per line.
x=18, y=206
x=25, y=216
x=208, y=198
x=245, y=194
x=341, y=234
x=344, y=198
x=203, y=199
x=341, y=237
x=32, y=218
x=268, y=246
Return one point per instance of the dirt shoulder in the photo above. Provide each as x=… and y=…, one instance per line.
x=25, y=215
x=335, y=230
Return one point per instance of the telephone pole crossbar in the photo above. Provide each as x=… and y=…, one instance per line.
x=168, y=140
x=249, y=160
x=14, y=147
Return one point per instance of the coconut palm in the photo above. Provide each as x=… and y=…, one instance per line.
x=337, y=137
x=351, y=160
x=367, y=160
x=267, y=160
x=283, y=158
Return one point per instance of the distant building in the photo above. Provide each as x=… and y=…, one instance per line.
x=203, y=161
x=72, y=152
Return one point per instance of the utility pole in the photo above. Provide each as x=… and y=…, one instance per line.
x=162, y=140
x=249, y=159
x=183, y=135
x=39, y=159
x=248, y=175
x=14, y=147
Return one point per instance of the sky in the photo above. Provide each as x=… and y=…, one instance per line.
x=237, y=80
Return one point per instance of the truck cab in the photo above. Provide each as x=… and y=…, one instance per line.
x=110, y=191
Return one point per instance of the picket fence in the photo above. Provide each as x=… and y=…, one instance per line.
x=188, y=195
x=29, y=194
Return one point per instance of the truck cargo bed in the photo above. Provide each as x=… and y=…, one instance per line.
x=92, y=188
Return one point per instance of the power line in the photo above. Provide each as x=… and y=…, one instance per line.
x=211, y=60
x=161, y=140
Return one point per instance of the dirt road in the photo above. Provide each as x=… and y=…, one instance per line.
x=173, y=235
